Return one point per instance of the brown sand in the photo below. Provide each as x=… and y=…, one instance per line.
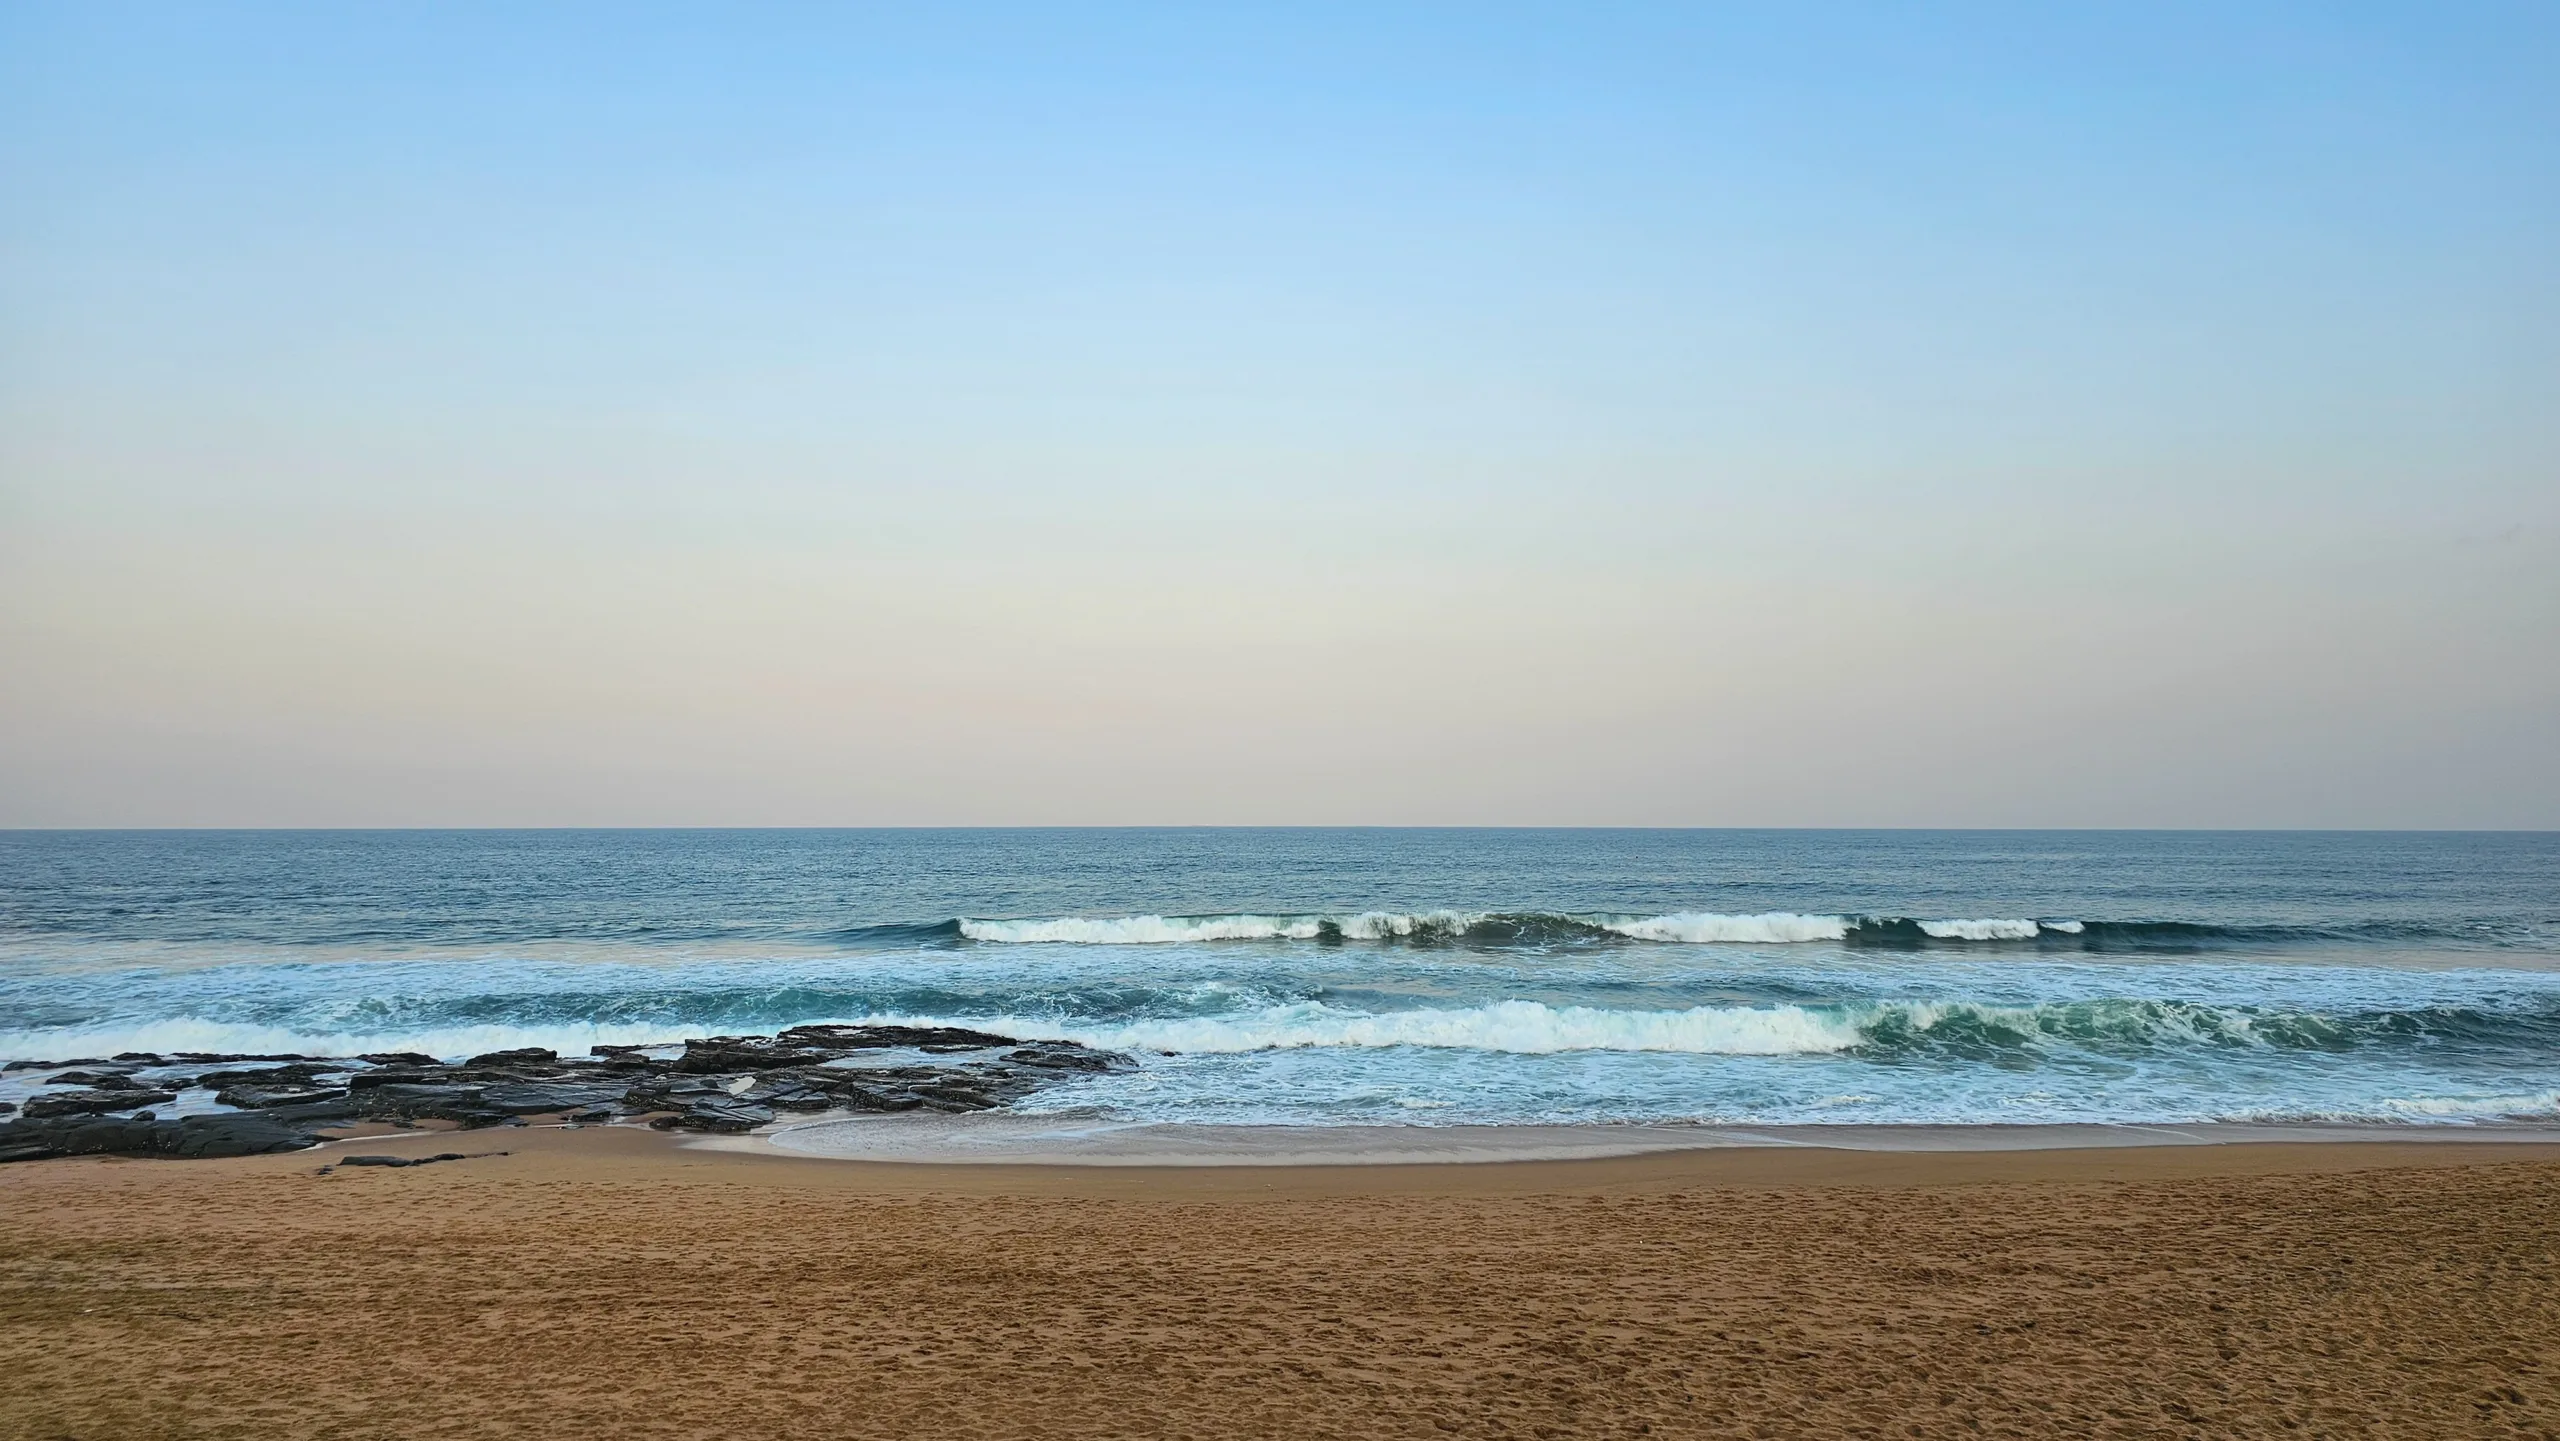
x=607, y=1284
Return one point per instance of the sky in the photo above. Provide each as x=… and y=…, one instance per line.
x=1788, y=414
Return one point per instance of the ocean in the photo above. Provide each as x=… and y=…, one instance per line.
x=1333, y=977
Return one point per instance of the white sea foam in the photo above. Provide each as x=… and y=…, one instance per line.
x=2535, y=1105
x=1706, y=928
x=1679, y=927
x=1520, y=1027
x=1141, y=930
x=1517, y=1027
x=187, y=1033
x=1168, y=930
x=1992, y=930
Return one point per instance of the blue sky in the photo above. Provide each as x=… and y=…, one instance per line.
x=1729, y=415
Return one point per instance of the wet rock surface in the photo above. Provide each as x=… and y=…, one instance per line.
x=291, y=1074
x=107, y=1080
x=259, y=1098
x=236, y=1133
x=85, y=1102
x=715, y=1083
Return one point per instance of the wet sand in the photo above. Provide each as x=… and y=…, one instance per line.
x=998, y=1138
x=612, y=1282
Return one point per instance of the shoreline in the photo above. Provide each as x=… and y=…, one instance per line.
x=637, y=1152
x=1003, y=1138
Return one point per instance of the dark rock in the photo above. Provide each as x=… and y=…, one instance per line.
x=111, y=1080
x=294, y=1073
x=256, y=1098
x=140, y=1058
x=865, y=1098
x=412, y=1160
x=674, y=1093
x=949, y=1097
x=424, y=1103
x=803, y=1089
x=449, y=1075
x=232, y=1134
x=719, y=1115
x=239, y=1134
x=720, y=1083
x=28, y=1066
x=429, y=1075
x=310, y=1113
x=1069, y=1056
x=7, y=1106
x=84, y=1103
x=533, y=1098
x=871, y=1038
x=744, y=1053
x=225, y=1058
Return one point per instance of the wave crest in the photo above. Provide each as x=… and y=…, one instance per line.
x=1679, y=928
x=1706, y=928
x=1140, y=930
x=1995, y=930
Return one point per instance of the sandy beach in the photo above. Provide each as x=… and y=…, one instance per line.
x=612, y=1281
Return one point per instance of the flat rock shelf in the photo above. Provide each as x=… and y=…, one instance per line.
x=259, y=1104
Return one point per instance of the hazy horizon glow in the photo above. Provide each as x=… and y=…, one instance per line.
x=2139, y=416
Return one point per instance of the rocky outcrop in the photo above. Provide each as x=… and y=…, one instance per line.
x=718, y=1083
x=523, y=1056
x=931, y=1038
x=716, y=1113
x=238, y=1133
x=1069, y=1056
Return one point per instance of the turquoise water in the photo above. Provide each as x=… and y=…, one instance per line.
x=1363, y=976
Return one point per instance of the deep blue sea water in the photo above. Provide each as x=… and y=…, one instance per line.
x=1326, y=976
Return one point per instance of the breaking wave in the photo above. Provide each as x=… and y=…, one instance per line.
x=1703, y=928
x=1683, y=928
x=1518, y=1027
x=1161, y=930
x=1877, y=1030
x=2532, y=1106
x=1679, y=927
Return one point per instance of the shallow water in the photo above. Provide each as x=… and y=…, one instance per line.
x=1332, y=977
